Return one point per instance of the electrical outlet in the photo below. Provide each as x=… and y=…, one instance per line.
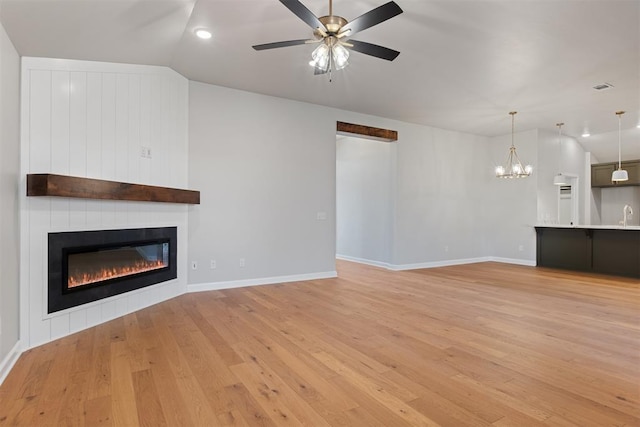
x=213, y=264
x=321, y=216
x=446, y=248
x=521, y=248
x=145, y=152
x=242, y=262
x=194, y=265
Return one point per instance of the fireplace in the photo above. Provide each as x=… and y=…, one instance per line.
x=87, y=266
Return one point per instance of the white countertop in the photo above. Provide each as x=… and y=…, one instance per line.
x=592, y=227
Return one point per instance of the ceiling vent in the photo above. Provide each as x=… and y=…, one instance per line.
x=603, y=86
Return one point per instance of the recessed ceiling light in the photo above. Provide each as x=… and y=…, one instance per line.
x=203, y=33
x=586, y=135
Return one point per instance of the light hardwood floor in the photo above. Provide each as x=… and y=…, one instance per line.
x=472, y=345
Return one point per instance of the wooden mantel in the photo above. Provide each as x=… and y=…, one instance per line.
x=45, y=184
x=361, y=131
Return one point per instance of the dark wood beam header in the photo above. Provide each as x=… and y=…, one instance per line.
x=378, y=134
x=45, y=184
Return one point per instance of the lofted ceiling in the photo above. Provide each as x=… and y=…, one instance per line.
x=463, y=64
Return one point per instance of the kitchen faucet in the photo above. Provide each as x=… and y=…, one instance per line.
x=627, y=212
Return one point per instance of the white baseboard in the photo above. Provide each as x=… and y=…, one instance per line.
x=9, y=361
x=517, y=261
x=199, y=287
x=434, y=264
x=363, y=261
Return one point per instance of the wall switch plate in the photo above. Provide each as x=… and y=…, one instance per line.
x=194, y=265
x=213, y=264
x=241, y=262
x=321, y=216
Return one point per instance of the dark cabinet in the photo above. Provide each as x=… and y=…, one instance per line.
x=606, y=251
x=633, y=169
x=601, y=174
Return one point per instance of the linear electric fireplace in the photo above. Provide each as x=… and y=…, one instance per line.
x=87, y=266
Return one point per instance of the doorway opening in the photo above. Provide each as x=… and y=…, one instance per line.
x=363, y=200
x=568, y=212
x=365, y=180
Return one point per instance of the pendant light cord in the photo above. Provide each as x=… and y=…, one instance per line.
x=513, y=115
x=619, y=114
x=560, y=145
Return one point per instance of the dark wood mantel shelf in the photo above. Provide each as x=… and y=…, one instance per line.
x=45, y=184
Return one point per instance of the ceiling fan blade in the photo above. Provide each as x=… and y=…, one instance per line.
x=371, y=18
x=374, y=50
x=276, y=45
x=303, y=13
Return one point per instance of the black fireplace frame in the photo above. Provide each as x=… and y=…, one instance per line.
x=65, y=243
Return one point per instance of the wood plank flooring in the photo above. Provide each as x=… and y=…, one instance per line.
x=475, y=345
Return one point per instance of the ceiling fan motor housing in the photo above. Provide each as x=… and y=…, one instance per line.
x=332, y=23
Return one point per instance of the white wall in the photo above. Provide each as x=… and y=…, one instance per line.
x=511, y=204
x=446, y=204
x=266, y=168
x=440, y=207
x=570, y=159
x=364, y=186
x=91, y=119
x=9, y=176
x=612, y=200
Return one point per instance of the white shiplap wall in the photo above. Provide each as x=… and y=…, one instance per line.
x=91, y=119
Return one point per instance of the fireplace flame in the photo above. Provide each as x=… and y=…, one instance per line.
x=86, y=278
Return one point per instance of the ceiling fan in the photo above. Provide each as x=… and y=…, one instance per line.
x=331, y=33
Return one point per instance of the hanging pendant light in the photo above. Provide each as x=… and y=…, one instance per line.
x=560, y=179
x=619, y=174
x=513, y=167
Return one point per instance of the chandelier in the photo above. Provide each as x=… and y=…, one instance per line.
x=513, y=167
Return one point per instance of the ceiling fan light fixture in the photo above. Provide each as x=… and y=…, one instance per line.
x=330, y=54
x=340, y=56
x=320, y=57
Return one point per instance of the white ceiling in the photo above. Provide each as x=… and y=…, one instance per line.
x=463, y=64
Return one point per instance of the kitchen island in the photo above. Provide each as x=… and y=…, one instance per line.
x=611, y=250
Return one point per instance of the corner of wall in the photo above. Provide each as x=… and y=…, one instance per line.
x=97, y=131
x=9, y=205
